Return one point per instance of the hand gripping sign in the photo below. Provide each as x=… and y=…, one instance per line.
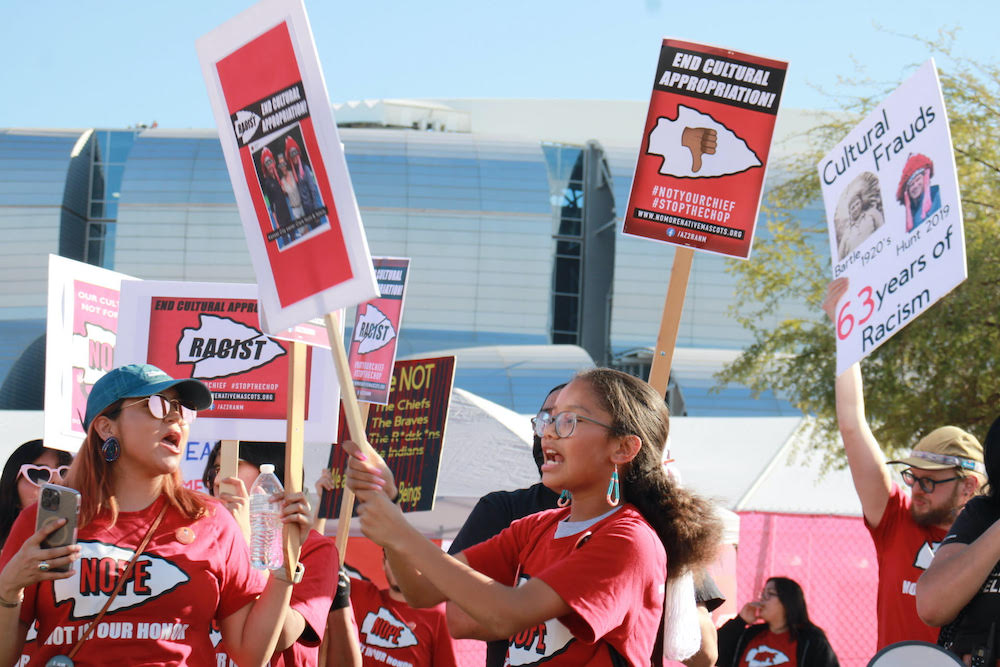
x=890, y=191
x=700, y=173
x=286, y=164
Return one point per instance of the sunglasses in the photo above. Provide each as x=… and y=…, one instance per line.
x=160, y=407
x=39, y=475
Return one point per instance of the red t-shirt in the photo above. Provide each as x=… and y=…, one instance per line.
x=904, y=549
x=768, y=649
x=613, y=582
x=164, y=612
x=393, y=633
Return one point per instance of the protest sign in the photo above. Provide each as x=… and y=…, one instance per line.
x=890, y=191
x=376, y=327
x=286, y=164
x=80, y=337
x=700, y=173
x=407, y=432
x=211, y=331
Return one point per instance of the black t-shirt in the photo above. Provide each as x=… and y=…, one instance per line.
x=972, y=626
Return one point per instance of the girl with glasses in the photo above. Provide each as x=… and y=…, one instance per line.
x=582, y=584
x=28, y=467
x=775, y=629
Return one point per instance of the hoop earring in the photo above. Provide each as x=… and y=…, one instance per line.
x=111, y=449
x=614, y=495
x=565, y=498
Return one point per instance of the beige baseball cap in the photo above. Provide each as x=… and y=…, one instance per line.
x=946, y=447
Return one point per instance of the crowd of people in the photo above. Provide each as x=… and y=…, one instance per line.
x=603, y=562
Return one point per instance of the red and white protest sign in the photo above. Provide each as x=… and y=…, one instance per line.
x=211, y=331
x=286, y=164
x=700, y=173
x=376, y=330
x=80, y=337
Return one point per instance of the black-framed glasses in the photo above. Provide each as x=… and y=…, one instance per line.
x=38, y=475
x=160, y=406
x=927, y=485
x=565, y=423
x=767, y=594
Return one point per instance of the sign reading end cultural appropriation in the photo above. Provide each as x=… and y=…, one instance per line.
x=286, y=164
x=408, y=432
x=700, y=173
x=211, y=331
x=890, y=189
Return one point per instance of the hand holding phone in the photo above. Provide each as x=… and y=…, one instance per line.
x=58, y=502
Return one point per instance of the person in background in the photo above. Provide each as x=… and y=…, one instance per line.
x=394, y=633
x=305, y=622
x=785, y=635
x=178, y=558
x=944, y=470
x=28, y=467
x=961, y=588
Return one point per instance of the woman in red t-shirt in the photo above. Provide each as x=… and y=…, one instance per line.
x=786, y=637
x=582, y=584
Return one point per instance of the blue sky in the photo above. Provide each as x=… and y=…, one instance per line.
x=113, y=63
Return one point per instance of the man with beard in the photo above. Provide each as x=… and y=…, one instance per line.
x=944, y=470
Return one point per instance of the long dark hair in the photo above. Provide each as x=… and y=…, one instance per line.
x=254, y=452
x=10, y=501
x=792, y=598
x=686, y=524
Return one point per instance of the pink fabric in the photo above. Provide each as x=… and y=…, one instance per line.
x=833, y=559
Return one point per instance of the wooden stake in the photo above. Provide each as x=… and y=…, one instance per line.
x=666, y=340
x=355, y=421
x=229, y=463
x=293, y=445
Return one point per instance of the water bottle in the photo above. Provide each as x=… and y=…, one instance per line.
x=265, y=521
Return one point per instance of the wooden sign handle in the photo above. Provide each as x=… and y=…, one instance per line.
x=666, y=340
x=355, y=421
x=229, y=463
x=293, y=445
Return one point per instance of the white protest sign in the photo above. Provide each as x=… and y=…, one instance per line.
x=286, y=164
x=892, y=203
x=211, y=331
x=80, y=337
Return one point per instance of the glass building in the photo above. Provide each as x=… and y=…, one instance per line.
x=518, y=264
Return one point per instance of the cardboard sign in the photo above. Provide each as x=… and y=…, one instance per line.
x=895, y=218
x=286, y=164
x=211, y=331
x=376, y=327
x=81, y=334
x=407, y=432
x=703, y=156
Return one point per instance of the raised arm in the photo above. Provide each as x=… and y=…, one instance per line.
x=864, y=456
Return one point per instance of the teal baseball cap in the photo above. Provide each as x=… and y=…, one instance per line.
x=139, y=381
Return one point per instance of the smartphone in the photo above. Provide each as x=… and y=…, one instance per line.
x=58, y=502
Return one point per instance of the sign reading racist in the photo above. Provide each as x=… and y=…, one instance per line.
x=700, y=173
x=376, y=327
x=286, y=164
x=890, y=190
x=407, y=432
x=81, y=334
x=212, y=332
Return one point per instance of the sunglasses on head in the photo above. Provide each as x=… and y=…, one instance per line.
x=160, y=406
x=39, y=475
